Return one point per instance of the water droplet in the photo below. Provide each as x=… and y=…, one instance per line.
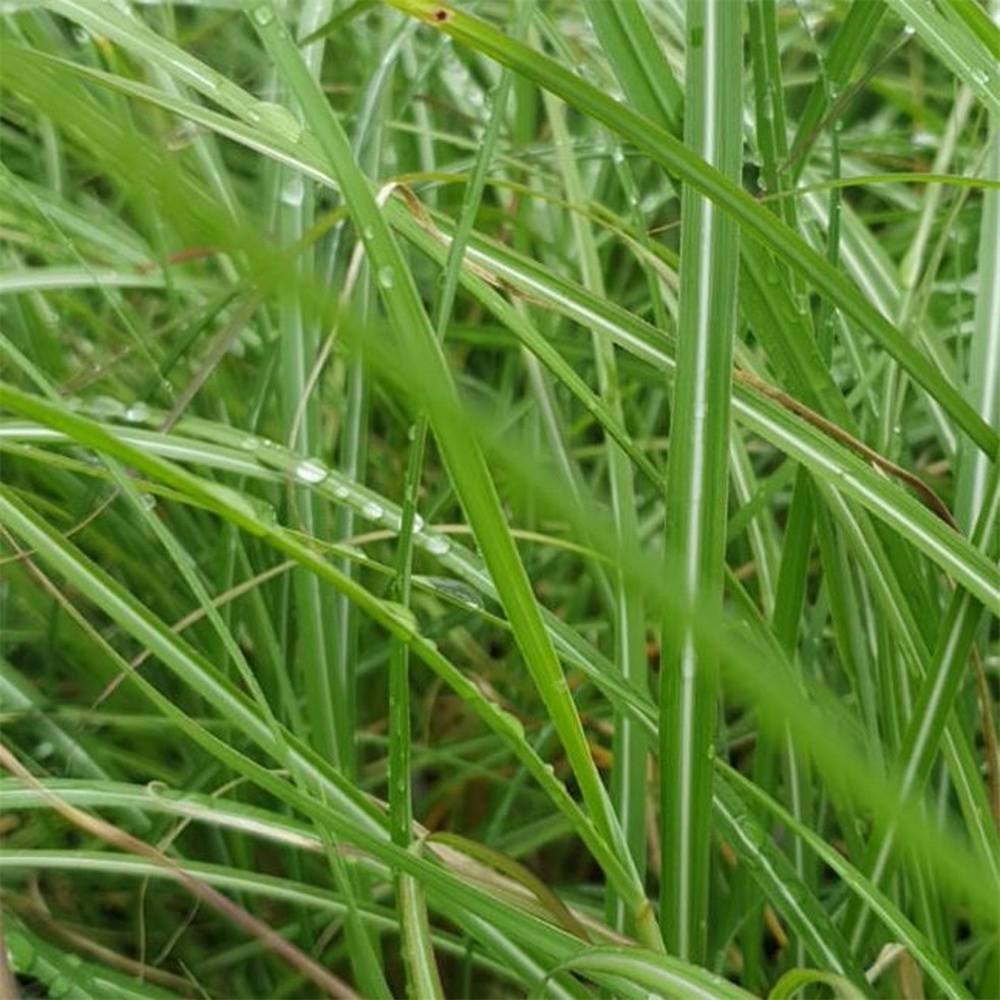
x=980, y=77
x=248, y=443
x=137, y=413
x=268, y=453
x=148, y=501
x=512, y=724
x=368, y=232
x=386, y=277
x=341, y=492
x=263, y=15
x=618, y=155
x=372, y=510
x=456, y=590
x=438, y=545
x=277, y=118
x=293, y=191
x=311, y=471
x=418, y=523
x=104, y=408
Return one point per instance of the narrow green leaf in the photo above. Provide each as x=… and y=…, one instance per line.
x=697, y=474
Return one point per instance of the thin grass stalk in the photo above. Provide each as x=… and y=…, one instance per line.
x=984, y=351
x=697, y=479
x=399, y=654
x=771, y=135
x=327, y=700
x=637, y=60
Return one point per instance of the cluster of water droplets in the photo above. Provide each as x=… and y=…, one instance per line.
x=314, y=472
x=310, y=472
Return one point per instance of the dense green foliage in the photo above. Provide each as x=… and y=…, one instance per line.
x=500, y=500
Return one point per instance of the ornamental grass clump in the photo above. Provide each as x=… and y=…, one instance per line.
x=500, y=499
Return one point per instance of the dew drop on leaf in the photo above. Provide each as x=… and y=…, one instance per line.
x=312, y=470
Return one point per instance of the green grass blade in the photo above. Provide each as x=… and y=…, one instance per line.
x=984, y=350
x=244, y=254
x=651, y=972
x=638, y=61
x=697, y=475
x=418, y=949
x=52, y=967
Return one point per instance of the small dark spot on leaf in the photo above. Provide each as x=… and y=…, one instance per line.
x=441, y=15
